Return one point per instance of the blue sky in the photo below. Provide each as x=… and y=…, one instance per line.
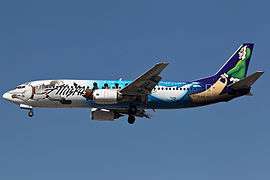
x=121, y=39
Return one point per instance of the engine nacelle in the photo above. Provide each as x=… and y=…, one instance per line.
x=104, y=115
x=106, y=96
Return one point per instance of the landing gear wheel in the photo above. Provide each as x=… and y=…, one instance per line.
x=30, y=113
x=131, y=119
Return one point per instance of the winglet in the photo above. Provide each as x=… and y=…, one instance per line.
x=161, y=65
x=247, y=82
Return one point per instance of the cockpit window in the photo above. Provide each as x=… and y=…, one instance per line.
x=20, y=87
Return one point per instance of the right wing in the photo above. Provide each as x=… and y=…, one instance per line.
x=144, y=84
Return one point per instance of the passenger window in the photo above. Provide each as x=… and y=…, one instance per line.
x=106, y=86
x=95, y=86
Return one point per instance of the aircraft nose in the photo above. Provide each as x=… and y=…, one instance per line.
x=7, y=96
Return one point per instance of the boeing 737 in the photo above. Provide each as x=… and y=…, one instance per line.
x=112, y=99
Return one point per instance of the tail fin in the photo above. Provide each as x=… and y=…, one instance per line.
x=237, y=64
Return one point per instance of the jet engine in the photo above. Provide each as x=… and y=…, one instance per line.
x=104, y=115
x=106, y=96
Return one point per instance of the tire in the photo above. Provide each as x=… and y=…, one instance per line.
x=30, y=113
x=131, y=119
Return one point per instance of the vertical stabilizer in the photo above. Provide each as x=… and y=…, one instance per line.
x=235, y=67
x=237, y=64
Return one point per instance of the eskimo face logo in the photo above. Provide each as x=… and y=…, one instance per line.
x=243, y=53
x=239, y=70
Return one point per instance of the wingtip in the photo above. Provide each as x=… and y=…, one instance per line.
x=163, y=63
x=261, y=72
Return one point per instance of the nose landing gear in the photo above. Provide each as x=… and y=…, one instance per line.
x=27, y=107
x=31, y=113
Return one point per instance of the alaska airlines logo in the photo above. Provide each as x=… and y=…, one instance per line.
x=66, y=90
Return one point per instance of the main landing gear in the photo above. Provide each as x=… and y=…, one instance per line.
x=131, y=114
x=131, y=119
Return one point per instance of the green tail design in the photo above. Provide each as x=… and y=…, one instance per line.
x=240, y=69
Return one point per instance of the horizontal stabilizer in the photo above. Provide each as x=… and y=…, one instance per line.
x=247, y=82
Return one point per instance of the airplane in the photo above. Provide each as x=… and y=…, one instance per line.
x=112, y=99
